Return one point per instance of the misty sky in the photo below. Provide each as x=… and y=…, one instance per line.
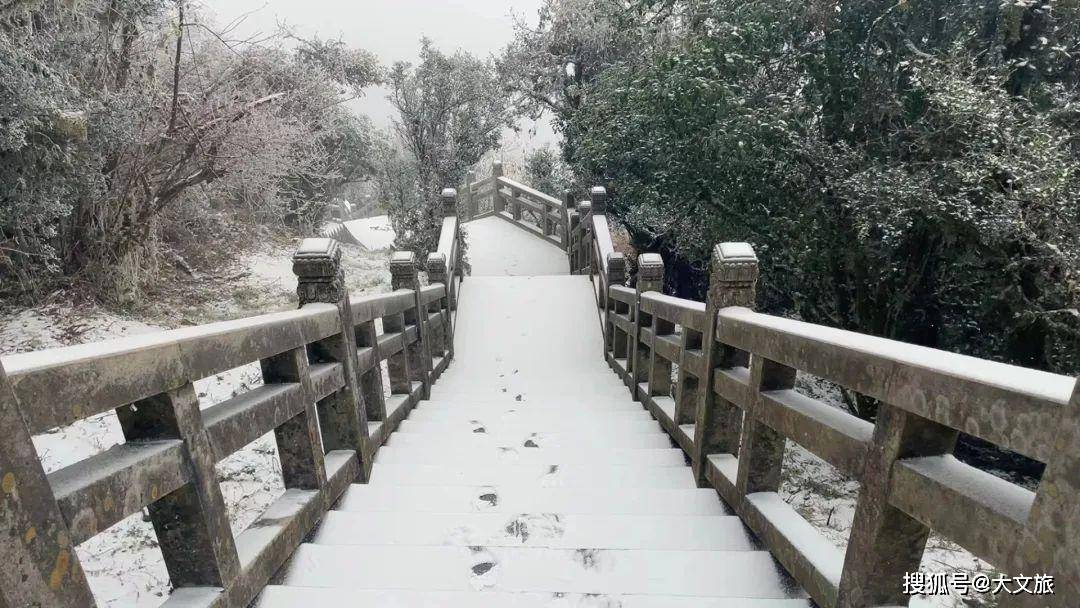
x=392, y=29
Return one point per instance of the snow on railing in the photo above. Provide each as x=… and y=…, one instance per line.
x=733, y=404
x=322, y=396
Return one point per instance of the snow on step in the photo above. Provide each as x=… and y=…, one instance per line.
x=518, y=498
x=526, y=436
x=473, y=394
x=470, y=456
x=278, y=596
x=543, y=424
x=545, y=530
x=547, y=476
x=526, y=415
x=744, y=574
x=575, y=404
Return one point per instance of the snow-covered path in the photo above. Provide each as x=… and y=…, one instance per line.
x=531, y=479
x=498, y=248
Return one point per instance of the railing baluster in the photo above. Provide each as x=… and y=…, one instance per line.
x=371, y=381
x=761, y=451
x=659, y=367
x=686, y=392
x=40, y=566
x=191, y=522
x=436, y=269
x=403, y=276
x=397, y=364
x=885, y=543
x=718, y=422
x=298, y=441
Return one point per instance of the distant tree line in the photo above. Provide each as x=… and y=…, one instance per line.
x=904, y=168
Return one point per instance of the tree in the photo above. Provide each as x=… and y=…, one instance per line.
x=451, y=112
x=116, y=117
x=908, y=170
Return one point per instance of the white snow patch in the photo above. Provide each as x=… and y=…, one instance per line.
x=374, y=233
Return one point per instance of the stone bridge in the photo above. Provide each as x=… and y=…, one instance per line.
x=537, y=434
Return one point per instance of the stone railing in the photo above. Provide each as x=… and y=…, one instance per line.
x=445, y=264
x=538, y=213
x=322, y=396
x=732, y=405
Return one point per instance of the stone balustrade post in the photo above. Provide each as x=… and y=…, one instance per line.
x=470, y=196
x=732, y=282
x=41, y=567
x=650, y=278
x=442, y=343
x=1051, y=539
x=403, y=275
x=585, y=257
x=499, y=205
x=448, y=202
x=573, y=241
x=568, y=244
x=343, y=414
x=616, y=263
x=598, y=198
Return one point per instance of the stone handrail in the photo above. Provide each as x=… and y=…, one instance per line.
x=733, y=405
x=512, y=200
x=445, y=263
x=322, y=396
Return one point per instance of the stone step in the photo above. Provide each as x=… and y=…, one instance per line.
x=280, y=596
x=518, y=498
x=742, y=574
x=471, y=456
x=532, y=424
x=569, y=476
x=550, y=392
x=506, y=405
x=527, y=436
x=608, y=382
x=544, y=530
x=614, y=399
x=525, y=414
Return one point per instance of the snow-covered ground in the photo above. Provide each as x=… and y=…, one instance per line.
x=124, y=565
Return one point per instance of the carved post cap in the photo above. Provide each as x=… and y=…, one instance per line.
x=734, y=263
x=598, y=197
x=403, y=270
x=436, y=267
x=733, y=281
x=616, y=263
x=449, y=202
x=584, y=208
x=650, y=267
x=317, y=266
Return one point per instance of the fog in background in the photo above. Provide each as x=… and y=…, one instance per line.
x=392, y=29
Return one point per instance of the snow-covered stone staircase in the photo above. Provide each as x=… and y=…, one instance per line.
x=529, y=479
